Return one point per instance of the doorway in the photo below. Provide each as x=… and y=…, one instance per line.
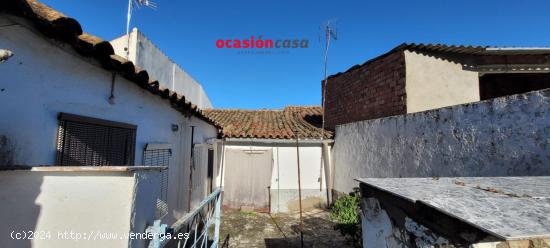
x=247, y=179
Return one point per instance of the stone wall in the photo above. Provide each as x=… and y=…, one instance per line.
x=508, y=136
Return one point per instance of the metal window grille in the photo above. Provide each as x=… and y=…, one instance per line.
x=155, y=156
x=84, y=141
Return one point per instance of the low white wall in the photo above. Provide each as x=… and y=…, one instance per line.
x=507, y=136
x=160, y=67
x=89, y=204
x=284, y=176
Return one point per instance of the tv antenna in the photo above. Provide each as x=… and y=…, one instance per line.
x=330, y=33
x=131, y=5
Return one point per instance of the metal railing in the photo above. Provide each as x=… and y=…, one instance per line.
x=196, y=224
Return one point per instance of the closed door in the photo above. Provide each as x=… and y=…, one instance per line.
x=247, y=178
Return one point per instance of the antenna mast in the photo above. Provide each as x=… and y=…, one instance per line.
x=330, y=33
x=131, y=4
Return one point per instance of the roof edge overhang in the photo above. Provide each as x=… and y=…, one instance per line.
x=55, y=25
x=279, y=141
x=454, y=49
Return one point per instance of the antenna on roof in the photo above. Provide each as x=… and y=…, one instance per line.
x=137, y=4
x=330, y=33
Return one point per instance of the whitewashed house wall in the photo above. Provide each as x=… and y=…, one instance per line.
x=146, y=55
x=45, y=77
x=284, y=179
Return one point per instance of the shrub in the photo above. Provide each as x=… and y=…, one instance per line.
x=345, y=212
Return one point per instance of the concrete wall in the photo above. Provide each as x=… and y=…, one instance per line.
x=380, y=229
x=284, y=179
x=160, y=67
x=433, y=82
x=51, y=203
x=44, y=78
x=146, y=191
x=508, y=136
x=388, y=226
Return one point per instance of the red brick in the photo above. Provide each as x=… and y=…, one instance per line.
x=371, y=91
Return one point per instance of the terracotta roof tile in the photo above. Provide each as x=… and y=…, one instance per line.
x=305, y=121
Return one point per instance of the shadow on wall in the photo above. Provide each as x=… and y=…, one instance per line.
x=19, y=212
x=6, y=152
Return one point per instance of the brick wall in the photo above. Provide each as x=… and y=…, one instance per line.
x=373, y=90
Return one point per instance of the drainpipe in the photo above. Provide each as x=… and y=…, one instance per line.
x=328, y=170
x=191, y=167
x=222, y=164
x=269, y=201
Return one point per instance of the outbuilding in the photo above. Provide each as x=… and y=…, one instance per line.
x=261, y=150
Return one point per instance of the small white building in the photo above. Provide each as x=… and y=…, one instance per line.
x=88, y=141
x=137, y=48
x=259, y=163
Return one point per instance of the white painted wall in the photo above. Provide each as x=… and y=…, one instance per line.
x=433, y=82
x=508, y=136
x=146, y=191
x=45, y=78
x=285, y=170
x=86, y=203
x=160, y=67
x=284, y=179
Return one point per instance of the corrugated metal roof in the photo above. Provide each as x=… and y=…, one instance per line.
x=476, y=50
x=456, y=50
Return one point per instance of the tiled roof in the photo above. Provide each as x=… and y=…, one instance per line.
x=456, y=49
x=56, y=25
x=305, y=121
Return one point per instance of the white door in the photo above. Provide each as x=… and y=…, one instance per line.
x=247, y=178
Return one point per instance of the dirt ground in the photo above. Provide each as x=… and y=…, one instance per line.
x=250, y=229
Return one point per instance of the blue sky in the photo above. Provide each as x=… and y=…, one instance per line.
x=186, y=30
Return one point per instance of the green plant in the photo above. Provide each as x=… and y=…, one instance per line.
x=345, y=212
x=247, y=213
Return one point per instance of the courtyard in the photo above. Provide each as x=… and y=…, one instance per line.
x=251, y=229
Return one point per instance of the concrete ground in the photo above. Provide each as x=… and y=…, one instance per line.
x=250, y=229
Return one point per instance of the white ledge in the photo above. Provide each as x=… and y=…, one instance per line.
x=85, y=168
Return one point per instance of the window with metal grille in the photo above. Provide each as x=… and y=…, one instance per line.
x=159, y=155
x=85, y=141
